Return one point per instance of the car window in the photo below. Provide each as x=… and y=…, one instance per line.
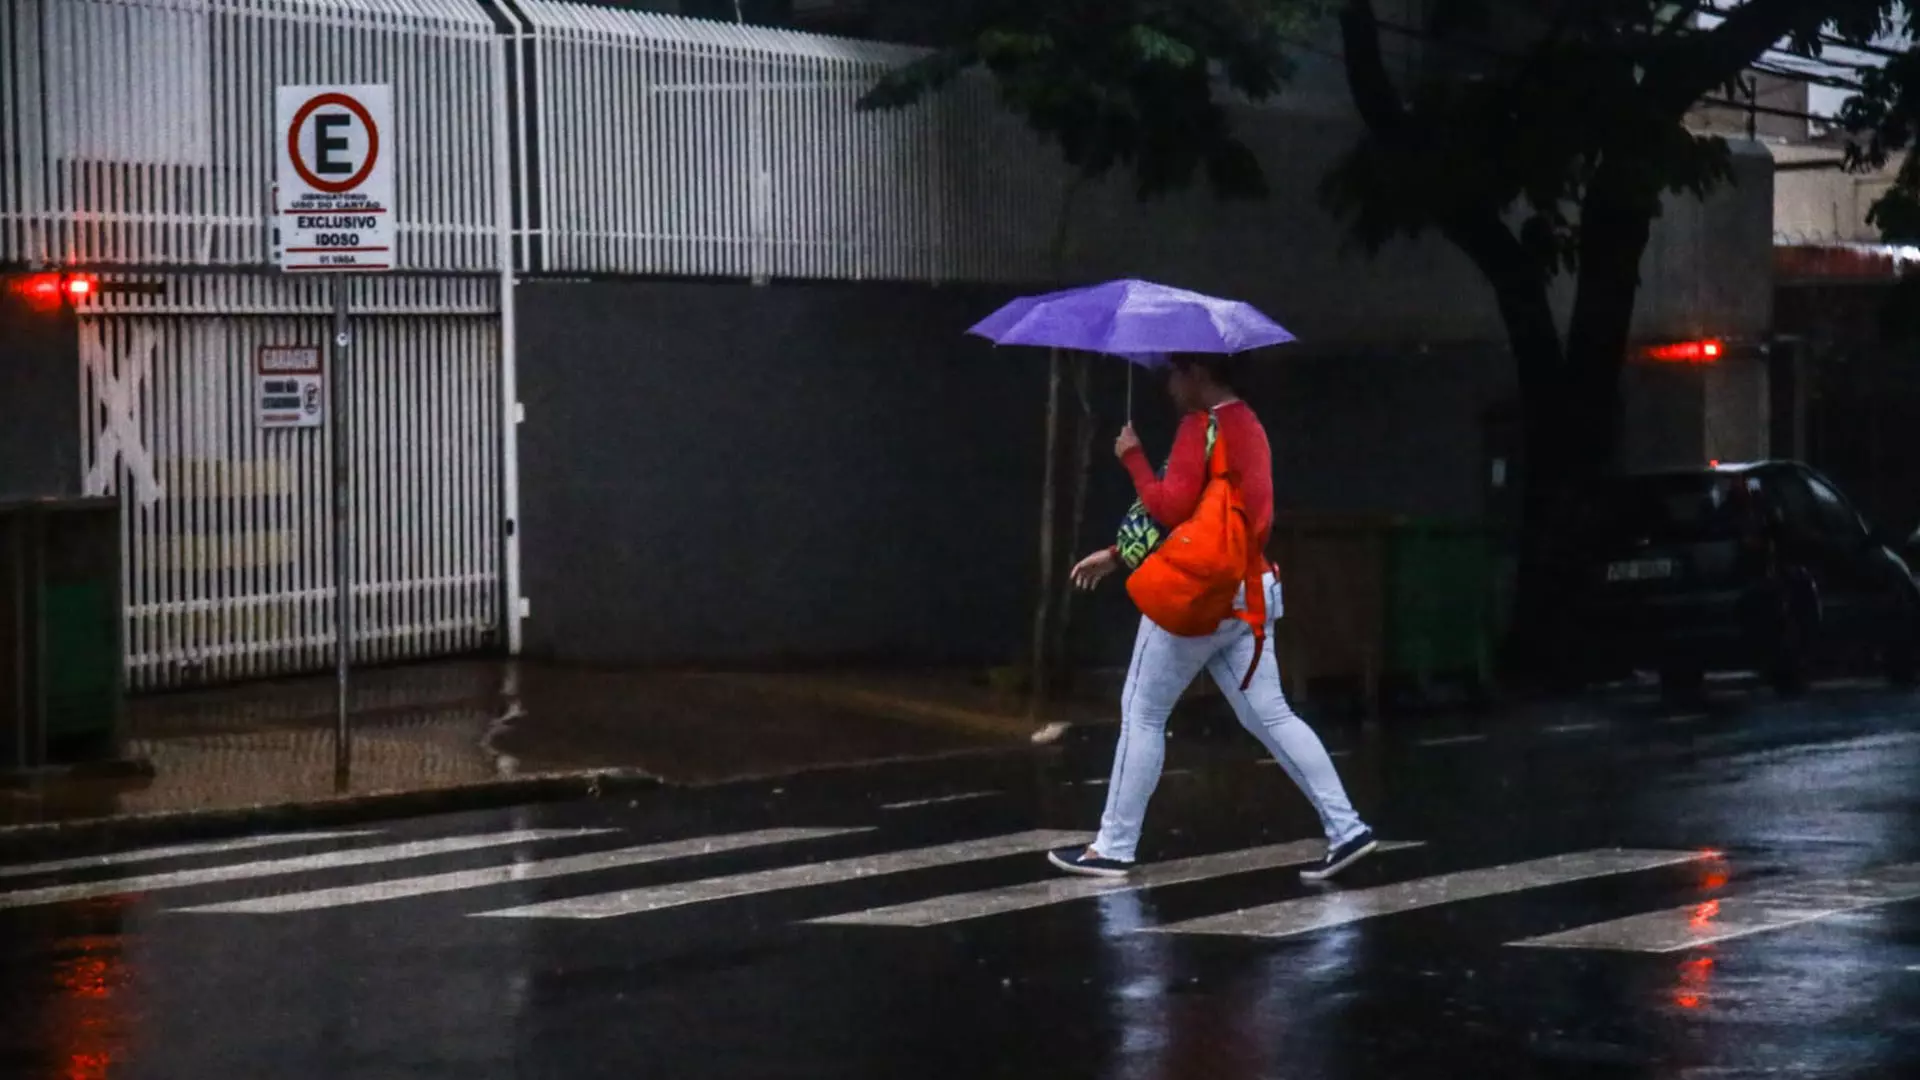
x=1792, y=504
x=1673, y=509
x=1837, y=518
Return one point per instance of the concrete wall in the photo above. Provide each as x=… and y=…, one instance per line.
x=1708, y=268
x=1827, y=206
x=722, y=473
x=716, y=473
x=39, y=399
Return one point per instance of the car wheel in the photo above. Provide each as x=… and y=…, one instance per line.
x=1789, y=658
x=1901, y=657
x=1682, y=684
x=1787, y=670
x=1902, y=664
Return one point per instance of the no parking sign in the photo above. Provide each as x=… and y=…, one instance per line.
x=333, y=207
x=334, y=146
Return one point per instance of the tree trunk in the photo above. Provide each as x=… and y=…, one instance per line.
x=1083, y=436
x=1039, y=683
x=1573, y=419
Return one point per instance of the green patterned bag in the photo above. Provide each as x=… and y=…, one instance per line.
x=1139, y=533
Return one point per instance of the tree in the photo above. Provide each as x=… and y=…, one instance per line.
x=1133, y=85
x=1884, y=120
x=1545, y=148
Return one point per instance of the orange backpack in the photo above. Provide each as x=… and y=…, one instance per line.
x=1187, y=586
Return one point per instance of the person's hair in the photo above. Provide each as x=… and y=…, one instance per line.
x=1220, y=368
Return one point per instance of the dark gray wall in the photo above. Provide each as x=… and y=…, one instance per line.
x=724, y=474
x=1708, y=268
x=39, y=399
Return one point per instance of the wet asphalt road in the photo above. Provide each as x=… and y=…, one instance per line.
x=1610, y=890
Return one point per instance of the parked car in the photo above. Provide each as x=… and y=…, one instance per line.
x=1762, y=567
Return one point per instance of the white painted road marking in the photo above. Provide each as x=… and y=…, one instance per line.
x=1726, y=918
x=155, y=854
x=860, y=867
x=1301, y=916
x=1569, y=729
x=537, y=870
x=940, y=800
x=960, y=907
x=177, y=879
x=1451, y=740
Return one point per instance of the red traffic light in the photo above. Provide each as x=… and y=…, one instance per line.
x=47, y=291
x=1686, y=352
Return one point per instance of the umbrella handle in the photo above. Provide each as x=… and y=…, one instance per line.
x=1129, y=395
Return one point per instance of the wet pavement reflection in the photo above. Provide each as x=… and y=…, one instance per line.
x=1595, y=894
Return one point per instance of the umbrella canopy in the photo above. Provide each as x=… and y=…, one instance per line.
x=1139, y=320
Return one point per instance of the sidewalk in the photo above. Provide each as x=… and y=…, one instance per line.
x=475, y=732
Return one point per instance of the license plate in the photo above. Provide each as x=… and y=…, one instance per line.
x=1640, y=570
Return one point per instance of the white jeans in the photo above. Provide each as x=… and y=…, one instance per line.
x=1164, y=665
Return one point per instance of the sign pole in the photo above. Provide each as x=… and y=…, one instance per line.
x=334, y=150
x=342, y=538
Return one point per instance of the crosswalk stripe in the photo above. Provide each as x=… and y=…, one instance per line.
x=1723, y=919
x=940, y=800
x=60, y=894
x=537, y=870
x=176, y=851
x=658, y=897
x=1289, y=917
x=960, y=907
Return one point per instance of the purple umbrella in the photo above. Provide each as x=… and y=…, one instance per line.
x=1138, y=320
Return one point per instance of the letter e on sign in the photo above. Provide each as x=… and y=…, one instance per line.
x=335, y=151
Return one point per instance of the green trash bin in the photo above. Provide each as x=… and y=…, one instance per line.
x=61, y=681
x=1440, y=599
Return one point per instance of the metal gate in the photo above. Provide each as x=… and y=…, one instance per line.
x=228, y=558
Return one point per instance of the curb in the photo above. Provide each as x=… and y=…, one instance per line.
x=68, y=837
x=84, y=835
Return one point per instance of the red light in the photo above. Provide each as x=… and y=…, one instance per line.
x=1696, y=979
x=1686, y=352
x=47, y=291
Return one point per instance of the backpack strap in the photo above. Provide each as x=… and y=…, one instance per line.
x=1256, y=614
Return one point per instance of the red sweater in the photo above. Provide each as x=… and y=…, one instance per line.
x=1172, y=499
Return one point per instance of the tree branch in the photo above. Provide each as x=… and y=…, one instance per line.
x=1682, y=76
x=1681, y=18
x=1378, y=102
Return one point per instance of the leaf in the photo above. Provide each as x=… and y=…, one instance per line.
x=1900, y=312
x=908, y=84
x=1155, y=47
x=1121, y=84
x=1897, y=215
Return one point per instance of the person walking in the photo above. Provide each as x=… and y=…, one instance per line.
x=1165, y=664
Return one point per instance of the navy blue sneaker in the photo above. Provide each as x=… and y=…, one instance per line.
x=1340, y=858
x=1077, y=860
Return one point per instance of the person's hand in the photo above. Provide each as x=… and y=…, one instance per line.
x=1095, y=568
x=1126, y=444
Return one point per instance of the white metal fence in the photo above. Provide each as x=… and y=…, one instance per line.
x=228, y=558
x=136, y=139
x=676, y=146
x=139, y=132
